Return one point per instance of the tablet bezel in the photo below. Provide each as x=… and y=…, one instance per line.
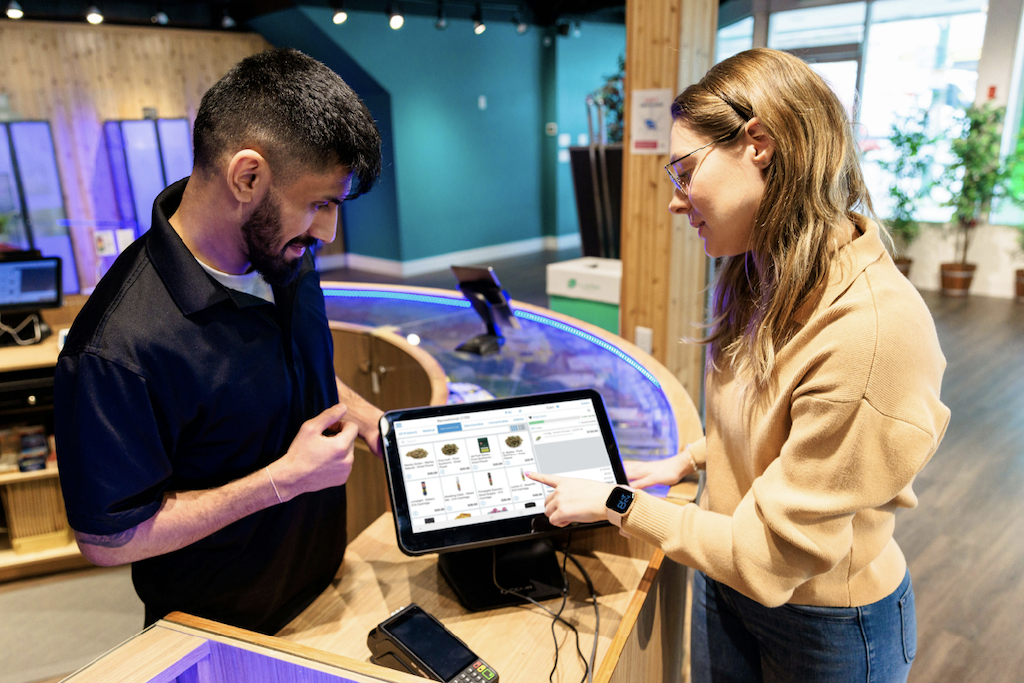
x=485, y=533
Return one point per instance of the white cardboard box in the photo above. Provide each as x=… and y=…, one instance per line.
x=591, y=278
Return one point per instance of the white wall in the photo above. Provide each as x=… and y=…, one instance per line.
x=994, y=249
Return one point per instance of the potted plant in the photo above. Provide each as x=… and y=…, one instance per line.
x=612, y=96
x=908, y=168
x=1020, y=271
x=975, y=177
x=1016, y=195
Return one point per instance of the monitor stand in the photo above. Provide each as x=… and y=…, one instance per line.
x=23, y=329
x=490, y=342
x=527, y=567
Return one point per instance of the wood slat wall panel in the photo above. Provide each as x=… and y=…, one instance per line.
x=76, y=77
x=689, y=263
x=669, y=44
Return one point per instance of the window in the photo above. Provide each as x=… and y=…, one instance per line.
x=917, y=56
x=817, y=26
x=734, y=38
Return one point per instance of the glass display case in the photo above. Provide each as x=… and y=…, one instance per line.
x=549, y=353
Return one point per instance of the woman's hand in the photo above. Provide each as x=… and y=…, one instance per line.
x=574, y=500
x=668, y=471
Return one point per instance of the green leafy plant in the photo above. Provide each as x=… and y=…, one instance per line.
x=5, y=221
x=909, y=170
x=1015, y=183
x=612, y=96
x=977, y=175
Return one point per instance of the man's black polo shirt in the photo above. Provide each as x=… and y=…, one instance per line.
x=169, y=381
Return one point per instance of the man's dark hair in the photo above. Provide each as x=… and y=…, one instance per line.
x=294, y=111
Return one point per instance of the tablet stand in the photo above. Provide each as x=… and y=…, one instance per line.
x=483, y=344
x=527, y=567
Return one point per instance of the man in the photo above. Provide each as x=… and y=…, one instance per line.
x=197, y=411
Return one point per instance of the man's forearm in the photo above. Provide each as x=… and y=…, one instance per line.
x=184, y=517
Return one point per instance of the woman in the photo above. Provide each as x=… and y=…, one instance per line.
x=822, y=393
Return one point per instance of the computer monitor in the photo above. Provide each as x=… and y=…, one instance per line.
x=458, y=485
x=28, y=282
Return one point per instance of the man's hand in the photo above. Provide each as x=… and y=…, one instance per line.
x=365, y=415
x=319, y=457
x=574, y=500
x=313, y=462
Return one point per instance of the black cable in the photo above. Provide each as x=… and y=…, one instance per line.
x=597, y=611
x=555, y=617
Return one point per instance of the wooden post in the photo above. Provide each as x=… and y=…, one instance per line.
x=669, y=44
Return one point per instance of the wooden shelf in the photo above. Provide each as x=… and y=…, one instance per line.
x=20, y=565
x=16, y=477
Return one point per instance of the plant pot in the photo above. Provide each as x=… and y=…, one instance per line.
x=956, y=278
x=1020, y=286
x=903, y=265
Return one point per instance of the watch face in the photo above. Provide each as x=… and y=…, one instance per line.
x=620, y=500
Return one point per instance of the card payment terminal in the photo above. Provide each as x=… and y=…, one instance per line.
x=412, y=640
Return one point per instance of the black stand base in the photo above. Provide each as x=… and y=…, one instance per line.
x=483, y=345
x=527, y=567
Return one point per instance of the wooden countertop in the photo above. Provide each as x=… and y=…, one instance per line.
x=377, y=579
x=41, y=355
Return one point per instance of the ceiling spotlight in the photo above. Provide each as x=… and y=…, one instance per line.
x=94, y=16
x=340, y=15
x=226, y=21
x=521, y=26
x=575, y=29
x=395, y=18
x=478, y=21
x=442, y=22
x=160, y=18
x=14, y=10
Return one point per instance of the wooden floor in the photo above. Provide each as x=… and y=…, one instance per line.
x=965, y=540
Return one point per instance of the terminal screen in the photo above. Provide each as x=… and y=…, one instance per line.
x=460, y=470
x=29, y=283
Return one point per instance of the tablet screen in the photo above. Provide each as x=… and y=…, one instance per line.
x=461, y=470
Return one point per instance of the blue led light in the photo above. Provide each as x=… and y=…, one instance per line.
x=399, y=296
x=462, y=303
x=590, y=338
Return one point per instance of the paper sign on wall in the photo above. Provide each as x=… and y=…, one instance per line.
x=650, y=121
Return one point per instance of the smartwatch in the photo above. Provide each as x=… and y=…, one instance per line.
x=619, y=503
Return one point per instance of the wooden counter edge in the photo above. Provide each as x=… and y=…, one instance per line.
x=287, y=647
x=629, y=619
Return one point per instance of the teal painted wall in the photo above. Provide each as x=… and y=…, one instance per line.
x=457, y=177
x=583, y=65
x=371, y=221
x=466, y=177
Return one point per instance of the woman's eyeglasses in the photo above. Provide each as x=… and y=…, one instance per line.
x=681, y=178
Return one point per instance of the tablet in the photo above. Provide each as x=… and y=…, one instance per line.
x=457, y=474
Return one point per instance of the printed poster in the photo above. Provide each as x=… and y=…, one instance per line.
x=650, y=121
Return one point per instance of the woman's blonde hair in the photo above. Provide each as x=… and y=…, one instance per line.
x=813, y=183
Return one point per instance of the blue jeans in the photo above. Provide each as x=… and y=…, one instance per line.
x=737, y=640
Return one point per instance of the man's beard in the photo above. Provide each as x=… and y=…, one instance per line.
x=261, y=233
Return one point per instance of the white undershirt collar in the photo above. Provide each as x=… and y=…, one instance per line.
x=251, y=283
